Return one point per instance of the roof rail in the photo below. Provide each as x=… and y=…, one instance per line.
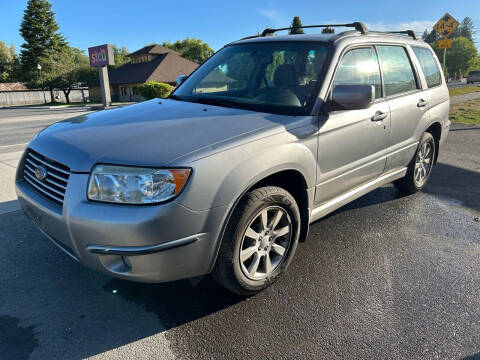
x=357, y=25
x=406, y=32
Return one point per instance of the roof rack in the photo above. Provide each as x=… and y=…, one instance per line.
x=357, y=25
x=406, y=32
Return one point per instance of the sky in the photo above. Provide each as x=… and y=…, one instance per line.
x=135, y=23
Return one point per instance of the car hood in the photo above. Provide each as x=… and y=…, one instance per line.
x=151, y=133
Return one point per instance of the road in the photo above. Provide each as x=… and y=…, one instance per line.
x=457, y=84
x=384, y=277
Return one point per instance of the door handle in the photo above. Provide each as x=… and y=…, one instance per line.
x=379, y=116
x=422, y=103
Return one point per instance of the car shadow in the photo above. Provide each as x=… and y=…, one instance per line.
x=472, y=357
x=455, y=185
x=176, y=303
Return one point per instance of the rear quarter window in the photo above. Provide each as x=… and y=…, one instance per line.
x=429, y=66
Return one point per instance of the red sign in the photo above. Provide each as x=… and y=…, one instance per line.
x=101, y=55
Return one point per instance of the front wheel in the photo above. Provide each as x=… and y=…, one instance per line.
x=420, y=167
x=259, y=242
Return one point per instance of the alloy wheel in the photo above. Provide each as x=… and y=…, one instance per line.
x=423, y=163
x=265, y=242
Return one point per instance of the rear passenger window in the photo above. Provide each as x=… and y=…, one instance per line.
x=397, y=70
x=429, y=66
x=360, y=66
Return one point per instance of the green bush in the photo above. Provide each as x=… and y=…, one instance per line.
x=154, y=89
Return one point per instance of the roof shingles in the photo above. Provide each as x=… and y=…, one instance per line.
x=165, y=67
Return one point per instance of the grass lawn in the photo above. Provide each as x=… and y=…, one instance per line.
x=466, y=113
x=463, y=90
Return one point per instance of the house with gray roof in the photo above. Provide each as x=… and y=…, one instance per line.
x=150, y=63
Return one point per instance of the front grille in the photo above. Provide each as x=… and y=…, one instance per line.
x=53, y=186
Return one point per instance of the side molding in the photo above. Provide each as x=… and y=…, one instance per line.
x=332, y=205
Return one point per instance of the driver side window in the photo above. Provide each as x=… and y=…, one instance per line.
x=360, y=67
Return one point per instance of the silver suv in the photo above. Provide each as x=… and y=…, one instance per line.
x=225, y=176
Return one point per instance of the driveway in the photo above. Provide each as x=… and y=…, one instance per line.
x=383, y=277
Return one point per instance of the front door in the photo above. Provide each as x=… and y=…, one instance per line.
x=352, y=143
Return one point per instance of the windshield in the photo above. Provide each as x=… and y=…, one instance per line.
x=271, y=77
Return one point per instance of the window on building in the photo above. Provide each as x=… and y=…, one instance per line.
x=398, y=75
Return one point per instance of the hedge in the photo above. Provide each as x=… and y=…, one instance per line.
x=154, y=89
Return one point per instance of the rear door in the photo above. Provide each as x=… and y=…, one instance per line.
x=407, y=101
x=436, y=91
x=351, y=143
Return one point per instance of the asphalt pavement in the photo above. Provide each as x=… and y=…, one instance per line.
x=386, y=276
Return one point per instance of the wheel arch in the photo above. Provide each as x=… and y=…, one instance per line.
x=292, y=180
x=436, y=130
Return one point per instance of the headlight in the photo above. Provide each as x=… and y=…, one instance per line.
x=132, y=185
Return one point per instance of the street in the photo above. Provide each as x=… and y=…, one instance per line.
x=383, y=277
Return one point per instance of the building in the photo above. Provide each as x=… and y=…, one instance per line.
x=150, y=63
x=13, y=86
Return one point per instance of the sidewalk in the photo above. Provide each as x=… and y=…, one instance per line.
x=8, y=166
x=86, y=106
x=463, y=98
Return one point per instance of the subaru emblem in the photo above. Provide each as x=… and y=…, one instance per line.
x=40, y=172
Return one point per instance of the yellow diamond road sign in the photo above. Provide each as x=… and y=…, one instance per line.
x=444, y=43
x=446, y=25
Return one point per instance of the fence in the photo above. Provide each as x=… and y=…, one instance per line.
x=31, y=97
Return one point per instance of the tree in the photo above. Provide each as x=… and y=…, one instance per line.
x=191, y=49
x=295, y=26
x=120, y=55
x=43, y=43
x=461, y=57
x=430, y=37
x=9, y=65
x=71, y=69
x=328, y=30
x=425, y=35
x=154, y=89
x=465, y=29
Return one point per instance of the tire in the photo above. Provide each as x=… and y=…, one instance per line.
x=420, y=166
x=253, y=255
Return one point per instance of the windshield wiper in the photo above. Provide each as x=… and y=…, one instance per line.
x=220, y=102
x=176, y=97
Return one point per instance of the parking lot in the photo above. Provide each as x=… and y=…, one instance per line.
x=383, y=277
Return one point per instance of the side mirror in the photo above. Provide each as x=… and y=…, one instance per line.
x=353, y=97
x=180, y=79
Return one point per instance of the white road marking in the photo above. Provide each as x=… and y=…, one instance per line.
x=12, y=145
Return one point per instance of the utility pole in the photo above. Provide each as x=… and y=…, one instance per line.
x=39, y=67
x=444, y=57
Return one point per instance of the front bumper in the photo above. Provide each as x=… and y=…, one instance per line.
x=152, y=243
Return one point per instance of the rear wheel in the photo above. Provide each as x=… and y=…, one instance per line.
x=259, y=242
x=420, y=167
